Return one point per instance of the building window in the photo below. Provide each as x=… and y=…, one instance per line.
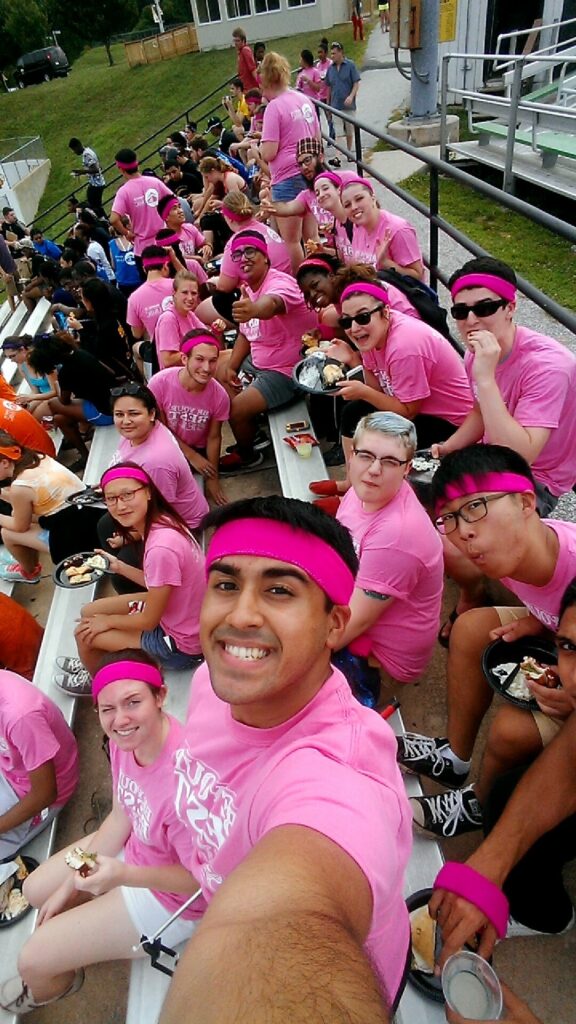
x=208, y=10
x=238, y=8
x=300, y=3
x=266, y=6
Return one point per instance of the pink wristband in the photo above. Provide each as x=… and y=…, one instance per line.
x=465, y=881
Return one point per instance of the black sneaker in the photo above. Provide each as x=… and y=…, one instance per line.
x=260, y=442
x=422, y=755
x=447, y=814
x=335, y=457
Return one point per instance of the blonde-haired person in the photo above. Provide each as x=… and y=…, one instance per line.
x=219, y=179
x=289, y=117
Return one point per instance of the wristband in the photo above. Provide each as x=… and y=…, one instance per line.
x=465, y=881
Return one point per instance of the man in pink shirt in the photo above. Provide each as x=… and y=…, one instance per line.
x=297, y=814
x=38, y=762
x=484, y=499
x=137, y=199
x=273, y=318
x=396, y=601
x=147, y=303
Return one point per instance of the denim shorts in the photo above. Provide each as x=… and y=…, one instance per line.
x=275, y=387
x=94, y=416
x=285, y=191
x=154, y=643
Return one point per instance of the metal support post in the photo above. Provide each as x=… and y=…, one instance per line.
x=515, y=94
x=434, y=205
x=358, y=149
x=424, y=62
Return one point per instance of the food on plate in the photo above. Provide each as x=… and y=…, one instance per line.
x=81, y=578
x=422, y=465
x=331, y=374
x=80, y=860
x=311, y=338
x=17, y=904
x=516, y=676
x=309, y=375
x=12, y=902
x=5, y=890
x=423, y=929
x=538, y=673
x=79, y=569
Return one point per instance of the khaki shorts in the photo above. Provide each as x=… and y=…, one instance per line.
x=547, y=726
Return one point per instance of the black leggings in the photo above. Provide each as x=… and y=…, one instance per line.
x=72, y=530
x=535, y=887
x=429, y=429
x=130, y=554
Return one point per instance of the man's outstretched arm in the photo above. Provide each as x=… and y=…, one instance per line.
x=282, y=941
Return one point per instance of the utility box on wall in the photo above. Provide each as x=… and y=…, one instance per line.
x=405, y=24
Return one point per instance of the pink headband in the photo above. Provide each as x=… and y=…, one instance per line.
x=127, y=167
x=315, y=261
x=126, y=670
x=268, y=538
x=123, y=473
x=149, y=262
x=248, y=239
x=166, y=240
x=200, y=339
x=237, y=218
x=511, y=483
x=496, y=284
x=334, y=178
x=377, y=291
x=357, y=181
x=168, y=205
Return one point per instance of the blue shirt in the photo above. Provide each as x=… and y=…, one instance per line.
x=341, y=79
x=48, y=249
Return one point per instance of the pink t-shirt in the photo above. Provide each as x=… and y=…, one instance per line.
x=544, y=602
x=419, y=365
x=277, y=251
x=148, y=794
x=171, y=328
x=189, y=413
x=275, y=344
x=32, y=732
x=305, y=76
x=191, y=239
x=160, y=456
x=331, y=768
x=147, y=303
x=138, y=199
x=403, y=249
x=288, y=118
x=173, y=560
x=322, y=66
x=400, y=556
x=308, y=199
x=537, y=381
x=400, y=302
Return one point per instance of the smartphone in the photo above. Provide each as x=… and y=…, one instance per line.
x=296, y=426
x=357, y=373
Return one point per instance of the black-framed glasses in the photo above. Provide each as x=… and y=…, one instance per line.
x=304, y=161
x=471, y=512
x=127, y=497
x=367, y=459
x=249, y=252
x=362, y=319
x=127, y=389
x=485, y=307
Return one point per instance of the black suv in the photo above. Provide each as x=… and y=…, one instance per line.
x=41, y=66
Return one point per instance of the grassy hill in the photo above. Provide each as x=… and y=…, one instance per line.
x=109, y=107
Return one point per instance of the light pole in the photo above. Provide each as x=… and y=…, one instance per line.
x=56, y=32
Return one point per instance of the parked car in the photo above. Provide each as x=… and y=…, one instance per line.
x=41, y=66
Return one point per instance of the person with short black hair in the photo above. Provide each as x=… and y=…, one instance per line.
x=91, y=169
x=43, y=245
x=137, y=198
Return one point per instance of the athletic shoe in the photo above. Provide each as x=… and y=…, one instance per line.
x=261, y=441
x=78, y=684
x=5, y=555
x=517, y=930
x=13, y=571
x=335, y=457
x=16, y=997
x=422, y=755
x=234, y=463
x=328, y=505
x=447, y=814
x=69, y=665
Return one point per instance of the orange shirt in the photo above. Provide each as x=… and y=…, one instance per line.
x=6, y=390
x=25, y=430
x=20, y=638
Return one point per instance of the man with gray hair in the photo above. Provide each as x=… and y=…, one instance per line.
x=396, y=600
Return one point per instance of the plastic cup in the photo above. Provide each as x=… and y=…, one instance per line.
x=471, y=988
x=304, y=450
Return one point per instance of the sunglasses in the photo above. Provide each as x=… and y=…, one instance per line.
x=362, y=319
x=485, y=307
x=127, y=389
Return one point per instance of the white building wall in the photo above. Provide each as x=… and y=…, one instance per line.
x=317, y=17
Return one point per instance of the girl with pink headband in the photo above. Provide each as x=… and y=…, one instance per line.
x=135, y=877
x=316, y=219
x=137, y=198
x=178, y=319
x=189, y=244
x=194, y=406
x=163, y=620
x=380, y=238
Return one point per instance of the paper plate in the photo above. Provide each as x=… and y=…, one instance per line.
x=62, y=580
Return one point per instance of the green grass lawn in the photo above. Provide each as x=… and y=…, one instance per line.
x=537, y=254
x=110, y=107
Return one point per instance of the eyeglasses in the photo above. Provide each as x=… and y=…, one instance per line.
x=362, y=319
x=249, y=252
x=127, y=389
x=127, y=497
x=367, y=459
x=304, y=161
x=470, y=512
x=485, y=307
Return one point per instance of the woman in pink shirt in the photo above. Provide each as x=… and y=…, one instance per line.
x=322, y=64
x=136, y=878
x=386, y=241
x=177, y=320
x=309, y=79
x=185, y=240
x=164, y=618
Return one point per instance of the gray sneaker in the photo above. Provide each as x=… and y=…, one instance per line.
x=447, y=814
x=422, y=755
x=76, y=684
x=16, y=997
x=69, y=665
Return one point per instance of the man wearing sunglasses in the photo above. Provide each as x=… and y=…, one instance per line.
x=484, y=500
x=523, y=385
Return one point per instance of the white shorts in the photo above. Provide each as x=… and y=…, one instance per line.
x=13, y=841
x=148, y=915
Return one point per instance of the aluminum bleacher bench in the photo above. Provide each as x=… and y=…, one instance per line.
x=15, y=322
x=295, y=472
x=5, y=312
x=22, y=323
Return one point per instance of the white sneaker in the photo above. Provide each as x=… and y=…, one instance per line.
x=16, y=997
x=517, y=930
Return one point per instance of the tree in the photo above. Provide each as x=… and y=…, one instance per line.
x=96, y=23
x=26, y=24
